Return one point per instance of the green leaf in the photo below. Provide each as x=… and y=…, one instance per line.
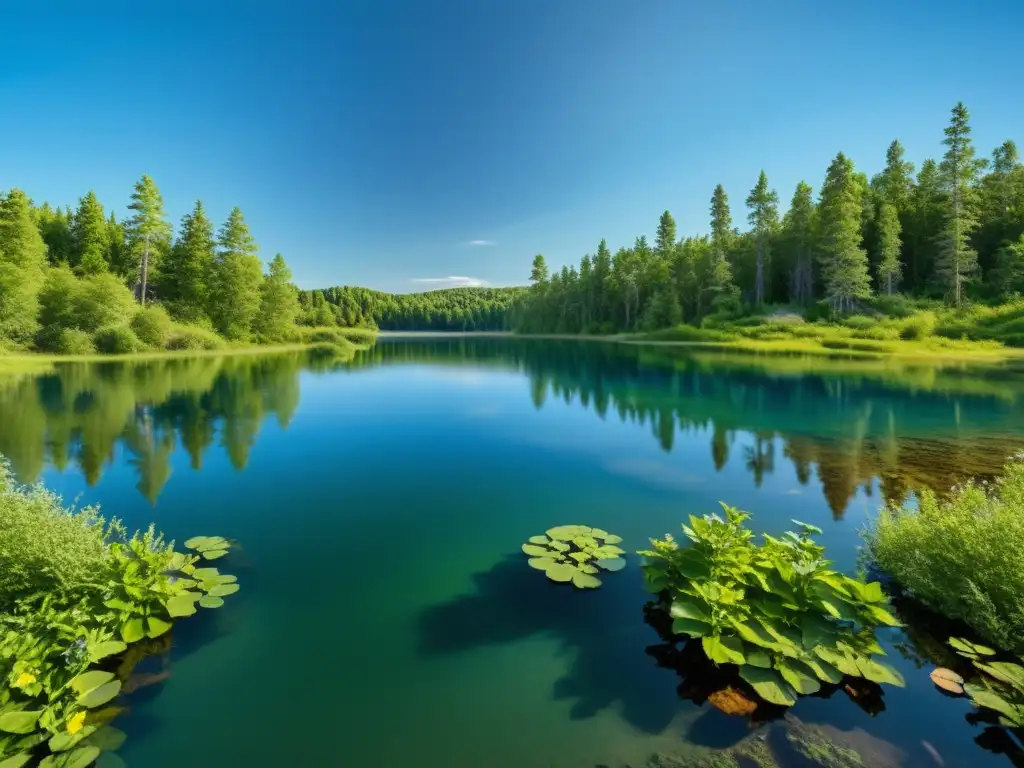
x=798, y=676
x=132, y=630
x=102, y=650
x=19, y=722
x=540, y=563
x=612, y=539
x=579, y=557
x=534, y=551
x=202, y=543
x=598, y=533
x=883, y=616
x=769, y=685
x=688, y=609
x=223, y=590
x=1008, y=672
x=723, y=650
x=690, y=627
x=213, y=554
x=561, y=572
x=205, y=574
x=542, y=540
x=754, y=633
x=612, y=564
x=17, y=761
x=968, y=648
x=63, y=741
x=822, y=669
x=815, y=630
x=585, y=580
x=97, y=697
x=983, y=697
x=808, y=527
x=561, y=546
x=110, y=760
x=841, y=661
x=181, y=605
x=79, y=758
x=156, y=626
x=568, y=532
x=87, y=681
x=757, y=657
x=879, y=672
x=587, y=568
x=108, y=739
x=657, y=583
x=208, y=601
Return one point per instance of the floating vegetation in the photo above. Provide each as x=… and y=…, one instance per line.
x=82, y=604
x=1001, y=687
x=576, y=554
x=777, y=613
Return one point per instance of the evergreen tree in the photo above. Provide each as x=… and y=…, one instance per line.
x=896, y=183
x=188, y=269
x=22, y=264
x=55, y=228
x=665, y=240
x=148, y=235
x=959, y=172
x=888, y=231
x=279, y=302
x=235, y=299
x=844, y=263
x=719, y=273
x=763, y=217
x=926, y=215
x=91, y=237
x=539, y=273
x=799, y=230
x=118, y=256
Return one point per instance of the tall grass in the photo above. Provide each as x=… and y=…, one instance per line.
x=962, y=554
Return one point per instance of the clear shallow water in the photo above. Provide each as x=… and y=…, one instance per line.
x=386, y=617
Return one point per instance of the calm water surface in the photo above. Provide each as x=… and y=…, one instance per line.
x=386, y=616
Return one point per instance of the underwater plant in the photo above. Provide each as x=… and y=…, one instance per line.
x=777, y=611
x=575, y=553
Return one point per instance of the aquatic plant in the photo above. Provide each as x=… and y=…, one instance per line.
x=777, y=611
x=72, y=632
x=1001, y=687
x=962, y=554
x=575, y=553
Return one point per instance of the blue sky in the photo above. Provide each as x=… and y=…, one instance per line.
x=386, y=143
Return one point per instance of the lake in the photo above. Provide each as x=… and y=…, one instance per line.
x=387, y=616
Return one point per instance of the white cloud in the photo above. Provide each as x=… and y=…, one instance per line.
x=456, y=281
x=481, y=242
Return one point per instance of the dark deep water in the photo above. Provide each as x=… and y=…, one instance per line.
x=386, y=616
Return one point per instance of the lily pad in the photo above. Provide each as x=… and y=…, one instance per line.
x=599, y=533
x=213, y=554
x=587, y=568
x=568, y=532
x=542, y=540
x=969, y=649
x=585, y=580
x=947, y=680
x=560, y=546
x=204, y=543
x=535, y=551
x=612, y=539
x=561, y=572
x=210, y=601
x=612, y=564
x=223, y=590
x=540, y=563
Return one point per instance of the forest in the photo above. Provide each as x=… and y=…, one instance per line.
x=950, y=232
x=450, y=309
x=82, y=281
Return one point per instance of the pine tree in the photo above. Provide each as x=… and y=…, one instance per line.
x=117, y=255
x=719, y=274
x=799, y=230
x=279, y=302
x=927, y=210
x=55, y=228
x=148, y=234
x=959, y=171
x=539, y=272
x=844, y=263
x=665, y=240
x=888, y=230
x=188, y=269
x=22, y=265
x=896, y=183
x=91, y=237
x=235, y=299
x=763, y=218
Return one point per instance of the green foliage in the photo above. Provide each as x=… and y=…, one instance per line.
x=279, y=303
x=237, y=275
x=188, y=270
x=962, y=554
x=101, y=300
x=575, y=553
x=844, y=264
x=777, y=611
x=72, y=341
x=1002, y=683
x=193, y=337
x=918, y=327
x=22, y=260
x=152, y=325
x=79, y=598
x=147, y=233
x=91, y=236
x=117, y=340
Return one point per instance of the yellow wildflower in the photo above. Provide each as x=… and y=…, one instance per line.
x=75, y=722
x=25, y=678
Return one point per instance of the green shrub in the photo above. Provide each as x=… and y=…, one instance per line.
x=117, y=340
x=193, y=338
x=102, y=300
x=73, y=341
x=918, y=327
x=963, y=554
x=859, y=322
x=819, y=310
x=359, y=335
x=776, y=611
x=858, y=345
x=687, y=333
x=153, y=326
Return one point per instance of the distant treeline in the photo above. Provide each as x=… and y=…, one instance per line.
x=955, y=231
x=451, y=309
